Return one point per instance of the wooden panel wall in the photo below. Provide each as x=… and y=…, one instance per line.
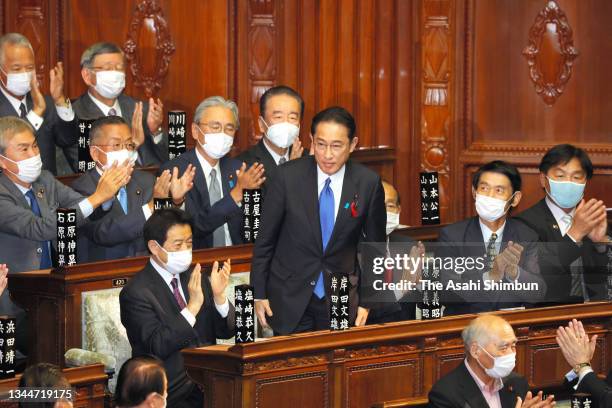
x=435, y=85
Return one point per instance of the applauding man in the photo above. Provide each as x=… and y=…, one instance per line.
x=168, y=306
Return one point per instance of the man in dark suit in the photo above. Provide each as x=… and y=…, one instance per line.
x=29, y=198
x=485, y=379
x=397, y=305
x=118, y=234
x=281, y=110
x=214, y=202
x=168, y=306
x=573, y=232
x=316, y=212
x=103, y=71
x=8, y=308
x=504, y=251
x=51, y=116
x=578, y=350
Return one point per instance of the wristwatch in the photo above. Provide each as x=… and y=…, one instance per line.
x=580, y=366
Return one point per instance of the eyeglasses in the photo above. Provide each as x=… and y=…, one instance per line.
x=217, y=127
x=335, y=147
x=118, y=146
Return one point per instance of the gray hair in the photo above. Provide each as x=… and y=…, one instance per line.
x=9, y=126
x=481, y=331
x=13, y=39
x=98, y=49
x=216, y=101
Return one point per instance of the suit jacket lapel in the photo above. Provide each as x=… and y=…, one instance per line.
x=184, y=279
x=311, y=203
x=473, y=395
x=160, y=288
x=507, y=398
x=41, y=198
x=92, y=111
x=199, y=181
x=550, y=220
x=6, y=108
x=473, y=235
x=226, y=175
x=127, y=110
x=10, y=186
x=348, y=195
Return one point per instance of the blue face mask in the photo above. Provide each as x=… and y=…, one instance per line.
x=566, y=194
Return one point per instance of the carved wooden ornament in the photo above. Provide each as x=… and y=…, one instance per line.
x=550, y=52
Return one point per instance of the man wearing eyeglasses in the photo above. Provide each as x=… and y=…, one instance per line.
x=103, y=70
x=215, y=201
x=117, y=231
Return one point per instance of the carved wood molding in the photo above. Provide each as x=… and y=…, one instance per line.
x=290, y=362
x=149, y=16
x=381, y=350
x=550, y=77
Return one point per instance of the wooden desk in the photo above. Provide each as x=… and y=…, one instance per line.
x=367, y=365
x=89, y=381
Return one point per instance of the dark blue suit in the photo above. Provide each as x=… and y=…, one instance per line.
x=207, y=218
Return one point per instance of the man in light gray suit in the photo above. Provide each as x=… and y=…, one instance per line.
x=118, y=234
x=103, y=71
x=29, y=197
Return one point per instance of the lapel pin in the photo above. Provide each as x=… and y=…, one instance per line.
x=231, y=181
x=137, y=192
x=40, y=193
x=346, y=205
x=555, y=226
x=354, y=207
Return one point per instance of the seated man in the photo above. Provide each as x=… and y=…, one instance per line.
x=103, y=71
x=142, y=383
x=168, y=306
x=119, y=233
x=51, y=116
x=573, y=232
x=30, y=196
x=485, y=378
x=45, y=376
x=578, y=351
x=8, y=308
x=214, y=202
x=281, y=110
x=498, y=255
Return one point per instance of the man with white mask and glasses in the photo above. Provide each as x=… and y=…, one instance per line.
x=495, y=257
x=118, y=233
x=103, y=69
x=281, y=110
x=486, y=379
x=215, y=201
x=51, y=116
x=169, y=306
x=573, y=230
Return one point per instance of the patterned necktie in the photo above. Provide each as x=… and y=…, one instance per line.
x=281, y=161
x=567, y=223
x=23, y=112
x=326, y=215
x=177, y=294
x=112, y=112
x=214, y=195
x=491, y=251
x=123, y=199
x=45, y=259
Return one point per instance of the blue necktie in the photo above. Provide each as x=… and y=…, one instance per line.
x=123, y=199
x=326, y=215
x=45, y=259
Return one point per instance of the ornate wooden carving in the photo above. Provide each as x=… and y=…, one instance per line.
x=148, y=31
x=285, y=363
x=382, y=350
x=262, y=57
x=550, y=52
x=435, y=86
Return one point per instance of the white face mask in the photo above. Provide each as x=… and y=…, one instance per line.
x=392, y=222
x=502, y=365
x=178, y=261
x=110, y=84
x=18, y=83
x=29, y=169
x=216, y=145
x=119, y=157
x=282, y=134
x=489, y=208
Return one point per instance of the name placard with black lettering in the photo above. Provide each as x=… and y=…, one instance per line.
x=430, y=305
x=339, y=302
x=161, y=203
x=177, y=138
x=251, y=212
x=85, y=160
x=430, y=198
x=245, y=314
x=66, y=253
x=8, y=334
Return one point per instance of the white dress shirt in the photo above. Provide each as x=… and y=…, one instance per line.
x=490, y=394
x=561, y=216
x=337, y=179
x=64, y=112
x=206, y=168
x=167, y=277
x=275, y=155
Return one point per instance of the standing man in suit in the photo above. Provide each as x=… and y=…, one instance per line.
x=215, y=201
x=29, y=197
x=281, y=110
x=397, y=305
x=573, y=231
x=103, y=70
x=316, y=212
x=118, y=234
x=504, y=250
x=51, y=116
x=168, y=306
x=486, y=379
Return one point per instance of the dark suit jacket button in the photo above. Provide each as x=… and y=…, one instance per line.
x=39, y=250
x=312, y=283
